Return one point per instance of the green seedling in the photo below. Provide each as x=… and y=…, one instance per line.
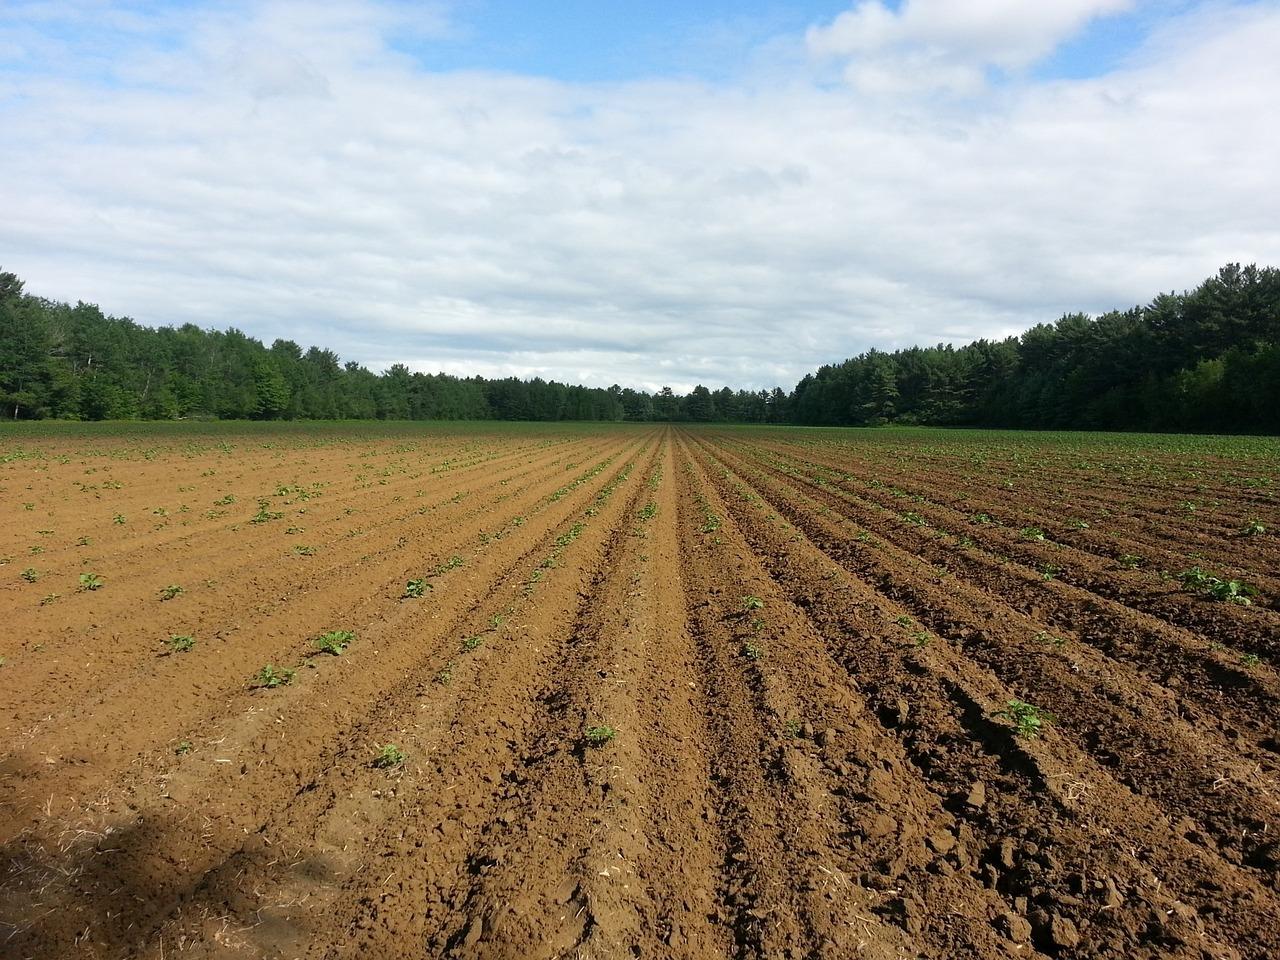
x=1253, y=528
x=1130, y=561
x=171, y=591
x=903, y=620
x=51, y=598
x=648, y=511
x=118, y=519
x=752, y=651
x=1032, y=533
x=472, y=643
x=91, y=581
x=31, y=574
x=300, y=550
x=334, y=642
x=416, y=588
x=183, y=748
x=1028, y=721
x=271, y=677
x=180, y=642
x=388, y=757
x=444, y=676
x=752, y=602
x=1250, y=660
x=599, y=735
x=1228, y=591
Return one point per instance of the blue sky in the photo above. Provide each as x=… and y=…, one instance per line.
x=649, y=194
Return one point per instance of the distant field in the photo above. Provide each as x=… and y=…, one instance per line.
x=581, y=690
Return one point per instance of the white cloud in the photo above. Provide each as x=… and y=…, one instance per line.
x=294, y=177
x=945, y=44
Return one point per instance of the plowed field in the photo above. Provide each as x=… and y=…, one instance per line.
x=638, y=691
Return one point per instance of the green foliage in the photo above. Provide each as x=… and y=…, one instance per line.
x=180, y=642
x=334, y=642
x=91, y=581
x=388, y=757
x=1228, y=591
x=183, y=748
x=598, y=735
x=415, y=588
x=171, y=591
x=270, y=676
x=752, y=602
x=1028, y=720
x=752, y=650
x=1253, y=528
x=31, y=574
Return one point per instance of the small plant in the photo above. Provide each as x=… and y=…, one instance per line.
x=91, y=581
x=1232, y=591
x=1130, y=561
x=1228, y=591
x=51, y=598
x=183, y=748
x=171, y=591
x=444, y=676
x=118, y=519
x=226, y=501
x=472, y=643
x=1250, y=660
x=301, y=550
x=334, y=642
x=752, y=651
x=1044, y=636
x=451, y=564
x=1028, y=721
x=1049, y=571
x=599, y=735
x=1032, y=533
x=388, y=757
x=1078, y=525
x=914, y=518
x=648, y=511
x=752, y=602
x=180, y=642
x=902, y=620
x=270, y=677
x=265, y=514
x=1252, y=529
x=921, y=638
x=31, y=574
x=415, y=588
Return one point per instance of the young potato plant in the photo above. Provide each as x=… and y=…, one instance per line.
x=1028, y=720
x=180, y=642
x=270, y=677
x=334, y=642
x=389, y=757
x=598, y=735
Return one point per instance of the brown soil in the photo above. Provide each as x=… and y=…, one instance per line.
x=805, y=648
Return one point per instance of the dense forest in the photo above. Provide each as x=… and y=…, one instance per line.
x=74, y=362
x=1205, y=360
x=1208, y=359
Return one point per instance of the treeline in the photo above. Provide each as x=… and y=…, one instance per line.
x=1205, y=360
x=74, y=362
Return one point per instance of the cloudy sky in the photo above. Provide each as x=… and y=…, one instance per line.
x=726, y=191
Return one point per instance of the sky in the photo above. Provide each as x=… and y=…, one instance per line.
x=666, y=193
